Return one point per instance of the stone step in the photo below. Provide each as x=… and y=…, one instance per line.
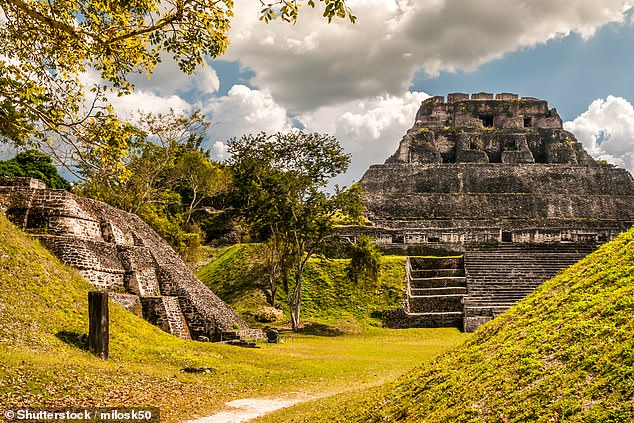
x=520, y=255
x=435, y=273
x=441, y=313
x=537, y=249
x=485, y=283
x=418, y=292
x=491, y=264
x=434, y=303
x=492, y=277
x=494, y=297
x=400, y=319
x=456, y=281
x=165, y=312
x=501, y=298
x=501, y=288
x=423, y=263
x=510, y=296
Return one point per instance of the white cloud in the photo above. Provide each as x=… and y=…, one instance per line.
x=220, y=150
x=167, y=79
x=147, y=102
x=314, y=63
x=606, y=130
x=243, y=111
x=370, y=129
x=8, y=150
x=206, y=79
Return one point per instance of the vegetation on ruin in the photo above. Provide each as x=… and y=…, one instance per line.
x=43, y=361
x=331, y=300
x=565, y=353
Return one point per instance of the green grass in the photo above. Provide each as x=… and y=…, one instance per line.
x=43, y=309
x=329, y=297
x=564, y=354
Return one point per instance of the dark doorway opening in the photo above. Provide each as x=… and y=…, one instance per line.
x=487, y=121
x=507, y=236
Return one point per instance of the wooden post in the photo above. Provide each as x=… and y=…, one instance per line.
x=98, y=336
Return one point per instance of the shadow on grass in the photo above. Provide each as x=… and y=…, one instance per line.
x=75, y=339
x=319, y=329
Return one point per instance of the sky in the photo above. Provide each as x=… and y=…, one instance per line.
x=364, y=82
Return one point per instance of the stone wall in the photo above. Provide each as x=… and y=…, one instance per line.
x=117, y=251
x=498, y=178
x=501, y=130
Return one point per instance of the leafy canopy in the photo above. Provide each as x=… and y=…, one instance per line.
x=48, y=50
x=279, y=182
x=34, y=164
x=167, y=178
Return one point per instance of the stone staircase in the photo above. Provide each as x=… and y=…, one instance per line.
x=165, y=312
x=499, y=276
x=435, y=290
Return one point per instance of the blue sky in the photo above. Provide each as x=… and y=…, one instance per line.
x=363, y=83
x=569, y=72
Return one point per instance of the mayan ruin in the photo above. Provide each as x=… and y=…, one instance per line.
x=497, y=180
x=119, y=253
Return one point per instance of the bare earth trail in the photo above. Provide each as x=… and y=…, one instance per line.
x=243, y=410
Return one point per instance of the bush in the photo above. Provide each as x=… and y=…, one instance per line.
x=365, y=261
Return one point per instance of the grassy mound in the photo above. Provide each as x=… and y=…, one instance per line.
x=565, y=353
x=329, y=297
x=44, y=363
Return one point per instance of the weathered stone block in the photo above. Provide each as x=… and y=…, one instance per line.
x=21, y=182
x=454, y=97
x=506, y=96
x=482, y=96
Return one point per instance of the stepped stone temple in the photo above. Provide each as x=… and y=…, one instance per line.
x=498, y=184
x=117, y=252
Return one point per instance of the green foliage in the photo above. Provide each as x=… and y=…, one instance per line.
x=365, y=261
x=46, y=48
x=166, y=179
x=289, y=10
x=565, y=353
x=34, y=164
x=278, y=185
x=238, y=276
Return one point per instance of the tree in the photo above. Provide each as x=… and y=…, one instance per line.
x=165, y=178
x=34, y=164
x=47, y=47
x=279, y=181
x=365, y=261
x=198, y=179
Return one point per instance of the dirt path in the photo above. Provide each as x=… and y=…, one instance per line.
x=249, y=408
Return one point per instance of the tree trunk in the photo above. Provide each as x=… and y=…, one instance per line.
x=296, y=299
x=272, y=291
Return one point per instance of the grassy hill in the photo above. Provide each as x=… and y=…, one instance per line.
x=43, y=363
x=565, y=353
x=329, y=297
